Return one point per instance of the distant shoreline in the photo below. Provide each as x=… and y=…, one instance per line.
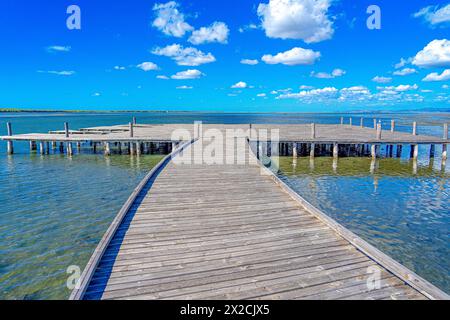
x=18, y=110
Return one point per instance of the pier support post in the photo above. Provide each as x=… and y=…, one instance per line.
x=131, y=130
x=66, y=129
x=379, y=131
x=350, y=121
x=445, y=135
x=138, y=148
x=342, y=121
x=33, y=146
x=312, y=151
x=335, y=150
x=134, y=120
x=444, y=152
x=375, y=123
x=432, y=151
x=54, y=145
x=107, y=149
x=94, y=147
x=132, y=148
x=313, y=130
x=361, y=122
x=41, y=147
x=399, y=150
x=69, y=149
x=10, y=146
x=78, y=147
x=294, y=150
x=373, y=151
x=48, y=147
x=414, y=129
x=414, y=151
x=392, y=125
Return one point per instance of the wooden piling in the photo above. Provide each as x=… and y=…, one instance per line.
x=33, y=146
x=444, y=152
x=414, y=131
x=445, y=135
x=69, y=149
x=294, y=151
x=342, y=121
x=414, y=151
x=312, y=151
x=350, y=121
x=54, y=146
x=132, y=151
x=10, y=146
x=66, y=129
x=335, y=150
x=361, y=122
x=373, y=151
x=313, y=130
x=138, y=148
x=107, y=149
x=131, y=130
x=134, y=120
x=432, y=151
x=379, y=131
x=375, y=123
x=41, y=147
x=392, y=125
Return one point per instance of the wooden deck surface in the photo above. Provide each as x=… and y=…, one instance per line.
x=229, y=232
x=344, y=134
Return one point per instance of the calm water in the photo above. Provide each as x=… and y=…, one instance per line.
x=54, y=209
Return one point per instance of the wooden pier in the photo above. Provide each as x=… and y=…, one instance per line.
x=235, y=230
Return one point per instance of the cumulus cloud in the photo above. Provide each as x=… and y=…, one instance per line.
x=400, y=88
x=188, y=74
x=326, y=92
x=240, y=85
x=379, y=79
x=169, y=20
x=295, y=56
x=250, y=26
x=434, y=15
x=184, y=88
x=147, y=66
x=435, y=54
x=185, y=56
x=162, y=77
x=405, y=72
x=251, y=62
x=59, y=48
x=217, y=32
x=296, y=19
x=444, y=76
x=64, y=73
x=324, y=75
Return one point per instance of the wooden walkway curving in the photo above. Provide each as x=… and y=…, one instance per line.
x=229, y=232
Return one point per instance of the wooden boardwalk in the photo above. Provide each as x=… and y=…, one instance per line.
x=234, y=232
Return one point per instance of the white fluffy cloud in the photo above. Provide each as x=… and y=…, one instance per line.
x=184, y=88
x=295, y=56
x=59, y=48
x=120, y=68
x=251, y=62
x=434, y=15
x=59, y=73
x=379, y=79
x=405, y=72
x=326, y=92
x=147, y=66
x=403, y=62
x=444, y=76
x=296, y=19
x=187, y=75
x=435, y=54
x=400, y=88
x=169, y=20
x=185, y=56
x=162, y=77
x=324, y=75
x=240, y=85
x=217, y=32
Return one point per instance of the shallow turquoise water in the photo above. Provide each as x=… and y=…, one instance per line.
x=55, y=209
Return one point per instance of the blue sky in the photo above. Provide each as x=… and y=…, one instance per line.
x=304, y=55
